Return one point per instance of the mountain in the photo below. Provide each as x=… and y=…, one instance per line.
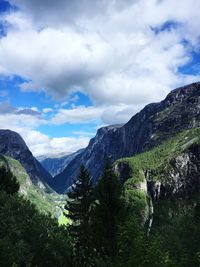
x=179, y=111
x=55, y=164
x=12, y=145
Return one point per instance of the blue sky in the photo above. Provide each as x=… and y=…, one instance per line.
x=67, y=69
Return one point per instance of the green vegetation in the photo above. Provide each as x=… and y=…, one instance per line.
x=107, y=212
x=105, y=227
x=47, y=203
x=135, y=200
x=8, y=182
x=155, y=164
x=27, y=237
x=63, y=220
x=119, y=239
x=78, y=208
x=157, y=160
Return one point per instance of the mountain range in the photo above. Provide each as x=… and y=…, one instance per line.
x=56, y=164
x=150, y=128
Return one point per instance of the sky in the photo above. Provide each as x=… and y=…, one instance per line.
x=70, y=67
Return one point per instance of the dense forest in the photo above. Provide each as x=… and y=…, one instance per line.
x=105, y=230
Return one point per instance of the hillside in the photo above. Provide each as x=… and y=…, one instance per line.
x=43, y=198
x=168, y=171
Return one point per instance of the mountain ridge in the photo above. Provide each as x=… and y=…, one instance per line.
x=55, y=164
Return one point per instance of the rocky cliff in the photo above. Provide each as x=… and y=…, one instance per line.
x=12, y=145
x=156, y=122
x=169, y=171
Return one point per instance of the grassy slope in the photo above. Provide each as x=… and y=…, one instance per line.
x=45, y=202
x=159, y=158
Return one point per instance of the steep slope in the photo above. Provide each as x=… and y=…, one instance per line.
x=168, y=171
x=156, y=122
x=45, y=201
x=56, y=164
x=12, y=145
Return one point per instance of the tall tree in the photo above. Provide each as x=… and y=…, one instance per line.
x=107, y=211
x=8, y=181
x=78, y=208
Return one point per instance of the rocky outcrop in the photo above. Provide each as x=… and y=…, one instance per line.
x=178, y=179
x=182, y=180
x=148, y=128
x=12, y=145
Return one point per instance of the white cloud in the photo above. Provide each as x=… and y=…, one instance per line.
x=19, y=121
x=106, y=49
x=46, y=145
x=113, y=51
x=80, y=114
x=38, y=143
x=82, y=133
x=102, y=114
x=7, y=108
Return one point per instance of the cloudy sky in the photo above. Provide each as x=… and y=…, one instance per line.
x=68, y=67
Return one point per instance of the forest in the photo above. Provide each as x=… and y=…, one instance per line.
x=104, y=229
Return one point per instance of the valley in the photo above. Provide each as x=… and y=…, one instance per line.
x=154, y=168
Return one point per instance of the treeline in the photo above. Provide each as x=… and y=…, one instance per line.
x=105, y=230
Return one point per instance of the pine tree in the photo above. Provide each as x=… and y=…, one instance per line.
x=78, y=208
x=107, y=212
x=8, y=181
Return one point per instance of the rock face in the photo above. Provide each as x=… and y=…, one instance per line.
x=156, y=122
x=183, y=178
x=163, y=174
x=55, y=165
x=12, y=145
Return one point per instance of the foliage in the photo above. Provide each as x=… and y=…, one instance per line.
x=104, y=231
x=107, y=212
x=158, y=159
x=78, y=208
x=28, y=238
x=8, y=181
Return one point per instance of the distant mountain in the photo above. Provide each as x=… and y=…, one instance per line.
x=55, y=164
x=12, y=145
x=180, y=110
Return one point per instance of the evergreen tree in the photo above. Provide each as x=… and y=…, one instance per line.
x=29, y=238
x=78, y=210
x=8, y=181
x=106, y=214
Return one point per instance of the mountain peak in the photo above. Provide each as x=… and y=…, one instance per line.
x=13, y=145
